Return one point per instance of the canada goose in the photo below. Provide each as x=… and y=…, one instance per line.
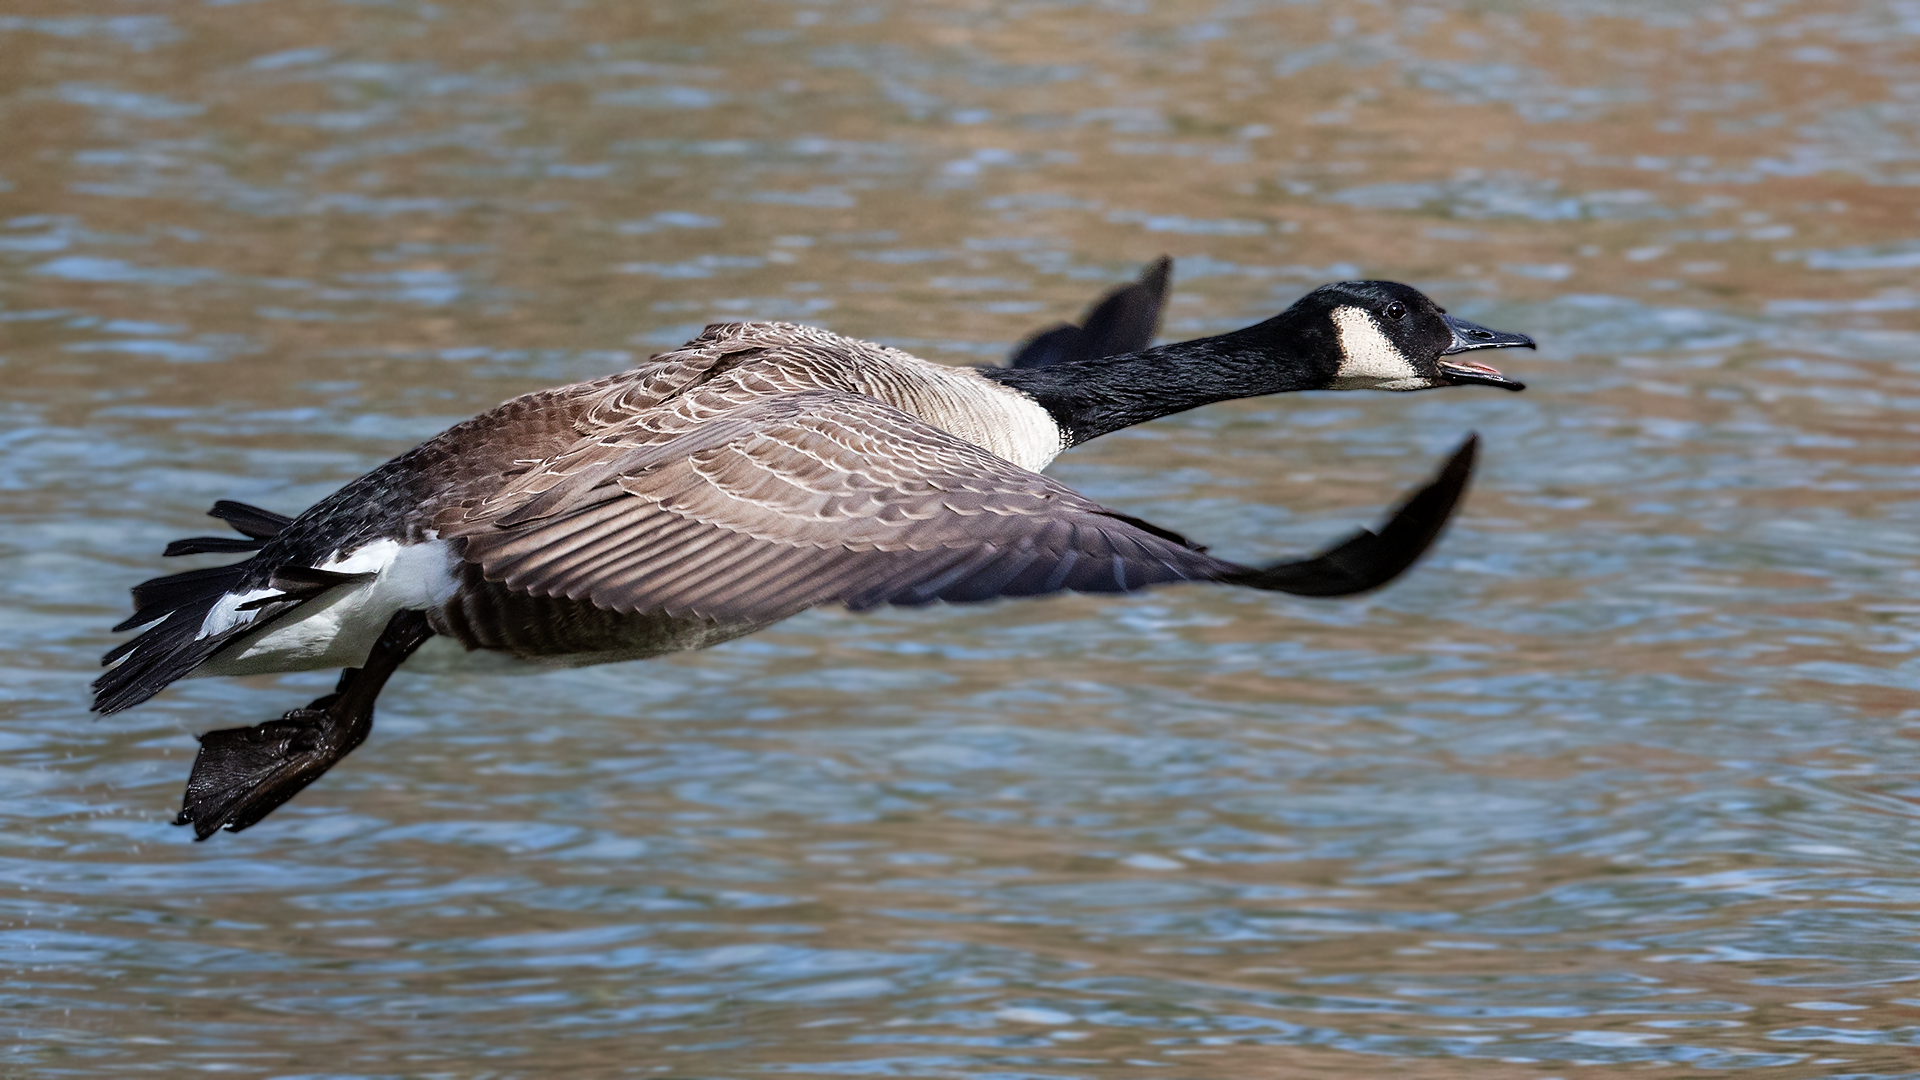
x=757, y=471
x=1122, y=321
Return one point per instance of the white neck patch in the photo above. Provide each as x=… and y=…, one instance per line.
x=1369, y=360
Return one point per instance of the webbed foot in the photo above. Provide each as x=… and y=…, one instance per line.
x=242, y=774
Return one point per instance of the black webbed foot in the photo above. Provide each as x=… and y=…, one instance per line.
x=242, y=774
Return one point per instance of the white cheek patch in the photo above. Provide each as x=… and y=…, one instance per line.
x=1369, y=360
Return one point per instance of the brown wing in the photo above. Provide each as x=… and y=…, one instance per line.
x=787, y=502
x=782, y=503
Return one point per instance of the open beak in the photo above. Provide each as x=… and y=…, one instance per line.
x=1470, y=336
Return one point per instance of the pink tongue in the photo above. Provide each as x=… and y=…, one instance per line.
x=1469, y=365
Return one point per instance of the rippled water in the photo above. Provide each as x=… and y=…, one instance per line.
x=1624, y=776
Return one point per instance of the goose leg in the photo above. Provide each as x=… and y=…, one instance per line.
x=242, y=774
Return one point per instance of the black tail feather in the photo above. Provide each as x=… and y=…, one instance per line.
x=119, y=651
x=158, y=596
x=257, y=525
x=251, y=520
x=163, y=653
x=177, y=605
x=171, y=647
x=175, y=645
x=298, y=584
x=201, y=545
x=155, y=598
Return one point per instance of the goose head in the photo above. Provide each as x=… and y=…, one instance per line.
x=1353, y=335
x=1382, y=335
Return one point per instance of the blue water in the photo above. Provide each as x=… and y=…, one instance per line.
x=1623, y=777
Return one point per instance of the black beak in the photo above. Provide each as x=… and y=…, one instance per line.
x=1470, y=336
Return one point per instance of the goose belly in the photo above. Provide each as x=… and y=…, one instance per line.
x=486, y=617
x=446, y=655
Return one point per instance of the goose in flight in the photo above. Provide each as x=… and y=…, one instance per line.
x=757, y=471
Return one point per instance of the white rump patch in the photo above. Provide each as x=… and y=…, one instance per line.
x=339, y=628
x=1369, y=360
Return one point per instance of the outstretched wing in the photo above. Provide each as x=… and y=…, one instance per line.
x=783, y=503
x=1123, y=321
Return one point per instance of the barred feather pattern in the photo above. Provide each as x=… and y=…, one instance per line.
x=755, y=511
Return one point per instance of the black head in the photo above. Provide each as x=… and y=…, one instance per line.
x=1356, y=335
x=1382, y=335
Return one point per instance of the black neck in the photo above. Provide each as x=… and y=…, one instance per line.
x=1089, y=398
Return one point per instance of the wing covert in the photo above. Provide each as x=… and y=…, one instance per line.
x=783, y=503
x=757, y=510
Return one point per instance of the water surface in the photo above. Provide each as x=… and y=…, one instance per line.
x=1623, y=778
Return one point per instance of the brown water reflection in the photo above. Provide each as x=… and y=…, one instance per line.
x=1624, y=777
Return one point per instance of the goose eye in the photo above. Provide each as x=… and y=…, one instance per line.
x=1396, y=311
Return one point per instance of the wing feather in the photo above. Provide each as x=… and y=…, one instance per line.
x=759, y=508
x=778, y=504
